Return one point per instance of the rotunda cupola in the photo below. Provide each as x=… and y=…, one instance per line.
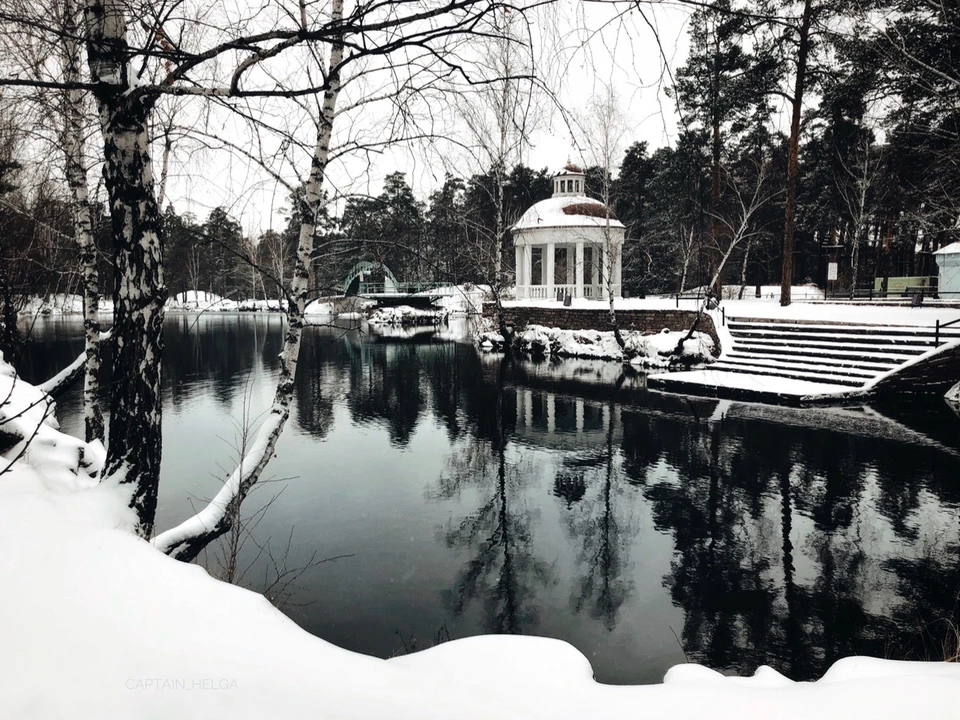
x=569, y=181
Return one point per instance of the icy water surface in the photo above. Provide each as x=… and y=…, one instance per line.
x=562, y=499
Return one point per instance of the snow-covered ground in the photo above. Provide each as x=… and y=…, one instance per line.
x=460, y=300
x=768, y=308
x=97, y=623
x=61, y=304
x=203, y=301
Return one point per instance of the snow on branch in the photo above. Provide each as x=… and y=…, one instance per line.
x=186, y=540
x=66, y=377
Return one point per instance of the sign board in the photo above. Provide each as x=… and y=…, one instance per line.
x=831, y=271
x=899, y=285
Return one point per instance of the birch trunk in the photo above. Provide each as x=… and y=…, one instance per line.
x=135, y=441
x=76, y=172
x=188, y=539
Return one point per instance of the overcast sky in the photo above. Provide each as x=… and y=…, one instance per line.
x=585, y=46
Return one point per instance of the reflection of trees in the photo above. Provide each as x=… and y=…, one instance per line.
x=602, y=533
x=734, y=507
x=385, y=387
x=502, y=569
x=718, y=578
x=929, y=611
x=317, y=383
x=218, y=351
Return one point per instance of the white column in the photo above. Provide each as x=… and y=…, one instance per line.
x=603, y=271
x=578, y=268
x=518, y=250
x=551, y=255
x=618, y=268
x=551, y=412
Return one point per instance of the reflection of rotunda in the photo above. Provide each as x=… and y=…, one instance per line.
x=568, y=243
x=547, y=419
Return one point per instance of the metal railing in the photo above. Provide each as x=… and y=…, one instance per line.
x=559, y=291
x=872, y=294
x=403, y=288
x=941, y=326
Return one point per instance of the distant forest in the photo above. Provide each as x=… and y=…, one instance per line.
x=876, y=184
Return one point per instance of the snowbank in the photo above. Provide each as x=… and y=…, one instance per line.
x=62, y=304
x=771, y=293
x=346, y=308
x=200, y=300
x=657, y=350
x=203, y=301
x=953, y=394
x=96, y=623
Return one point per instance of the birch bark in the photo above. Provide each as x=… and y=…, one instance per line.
x=135, y=443
x=76, y=172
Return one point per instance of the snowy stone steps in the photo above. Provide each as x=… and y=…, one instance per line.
x=796, y=362
x=847, y=360
x=921, y=344
x=894, y=353
x=816, y=377
x=802, y=364
x=922, y=331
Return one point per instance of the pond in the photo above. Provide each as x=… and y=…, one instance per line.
x=464, y=495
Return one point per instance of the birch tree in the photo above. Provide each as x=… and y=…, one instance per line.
x=74, y=131
x=602, y=129
x=500, y=116
x=134, y=57
x=856, y=192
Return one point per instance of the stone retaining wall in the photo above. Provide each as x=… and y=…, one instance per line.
x=646, y=321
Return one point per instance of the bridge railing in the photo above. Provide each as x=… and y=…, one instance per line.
x=403, y=288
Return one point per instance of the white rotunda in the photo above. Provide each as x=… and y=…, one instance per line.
x=569, y=244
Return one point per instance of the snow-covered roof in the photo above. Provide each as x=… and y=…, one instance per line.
x=951, y=249
x=549, y=213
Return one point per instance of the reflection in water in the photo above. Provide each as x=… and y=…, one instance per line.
x=564, y=499
x=503, y=567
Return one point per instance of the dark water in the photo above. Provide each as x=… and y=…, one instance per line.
x=564, y=500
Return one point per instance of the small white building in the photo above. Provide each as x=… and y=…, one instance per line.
x=570, y=243
x=948, y=260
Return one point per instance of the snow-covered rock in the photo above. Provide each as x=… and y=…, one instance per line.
x=660, y=349
x=405, y=315
x=657, y=350
x=272, y=305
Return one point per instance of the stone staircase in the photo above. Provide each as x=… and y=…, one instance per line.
x=788, y=360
